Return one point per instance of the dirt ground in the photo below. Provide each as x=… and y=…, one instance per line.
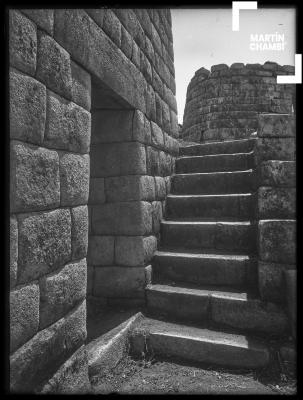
x=169, y=377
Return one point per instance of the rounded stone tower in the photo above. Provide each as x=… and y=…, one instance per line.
x=224, y=103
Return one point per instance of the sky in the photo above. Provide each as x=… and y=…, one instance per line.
x=204, y=37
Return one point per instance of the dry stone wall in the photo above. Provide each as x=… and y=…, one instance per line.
x=276, y=194
x=224, y=103
x=58, y=166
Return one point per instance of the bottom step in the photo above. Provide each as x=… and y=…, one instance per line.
x=198, y=345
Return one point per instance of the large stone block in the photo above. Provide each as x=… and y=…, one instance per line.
x=27, y=108
x=22, y=43
x=157, y=135
x=35, y=182
x=44, y=18
x=278, y=173
x=13, y=254
x=130, y=188
x=277, y=241
x=134, y=251
x=53, y=66
x=67, y=126
x=152, y=161
x=79, y=218
x=291, y=294
x=61, y=291
x=41, y=357
x=116, y=159
x=112, y=26
x=112, y=126
x=271, y=281
x=141, y=128
x=276, y=202
x=72, y=376
x=24, y=314
x=126, y=218
x=96, y=191
x=44, y=243
x=101, y=57
x=157, y=215
x=101, y=250
x=160, y=187
x=74, y=176
x=276, y=149
x=276, y=125
x=97, y=14
x=81, y=86
x=126, y=42
x=119, y=282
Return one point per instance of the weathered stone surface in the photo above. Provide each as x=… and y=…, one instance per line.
x=141, y=128
x=277, y=240
x=29, y=366
x=13, y=254
x=276, y=125
x=79, y=218
x=271, y=281
x=72, y=376
x=22, y=43
x=74, y=175
x=134, y=251
x=53, y=66
x=278, y=173
x=129, y=188
x=152, y=161
x=157, y=135
x=96, y=191
x=112, y=26
x=61, y=291
x=160, y=187
x=157, y=215
x=67, y=126
x=291, y=295
x=101, y=57
x=126, y=218
x=24, y=314
x=276, y=149
x=97, y=14
x=119, y=282
x=81, y=86
x=27, y=108
x=112, y=126
x=126, y=42
x=90, y=280
x=35, y=182
x=44, y=18
x=276, y=202
x=44, y=243
x=248, y=314
x=116, y=159
x=101, y=250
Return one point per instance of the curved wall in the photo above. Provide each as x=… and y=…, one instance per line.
x=224, y=103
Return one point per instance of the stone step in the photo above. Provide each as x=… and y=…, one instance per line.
x=239, y=206
x=215, y=305
x=224, y=147
x=215, y=163
x=204, y=268
x=198, y=345
x=213, y=183
x=239, y=236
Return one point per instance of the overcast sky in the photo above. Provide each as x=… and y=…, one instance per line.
x=204, y=37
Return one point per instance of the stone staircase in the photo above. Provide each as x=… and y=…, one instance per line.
x=203, y=301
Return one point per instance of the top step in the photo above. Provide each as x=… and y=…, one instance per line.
x=226, y=147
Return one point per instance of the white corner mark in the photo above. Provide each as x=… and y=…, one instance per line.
x=297, y=78
x=241, y=5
